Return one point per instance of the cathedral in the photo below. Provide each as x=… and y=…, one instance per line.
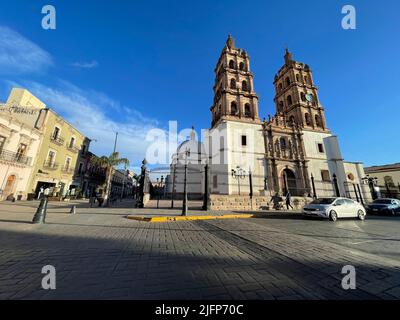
x=293, y=151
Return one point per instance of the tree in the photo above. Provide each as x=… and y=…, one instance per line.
x=109, y=163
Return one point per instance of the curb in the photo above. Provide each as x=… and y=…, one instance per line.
x=190, y=218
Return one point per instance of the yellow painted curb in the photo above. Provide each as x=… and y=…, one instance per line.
x=190, y=218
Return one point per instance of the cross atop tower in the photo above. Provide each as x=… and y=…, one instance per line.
x=288, y=56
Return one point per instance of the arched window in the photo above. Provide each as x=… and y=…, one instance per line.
x=234, y=109
x=289, y=100
x=282, y=142
x=287, y=82
x=247, y=110
x=244, y=85
x=306, y=79
x=303, y=96
x=231, y=64
x=308, y=119
x=297, y=77
x=280, y=87
x=291, y=120
x=280, y=106
x=233, y=84
x=317, y=121
x=241, y=66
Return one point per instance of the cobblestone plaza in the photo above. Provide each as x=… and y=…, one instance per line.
x=99, y=254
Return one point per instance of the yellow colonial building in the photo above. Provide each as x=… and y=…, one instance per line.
x=57, y=159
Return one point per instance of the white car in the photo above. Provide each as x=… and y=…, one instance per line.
x=334, y=208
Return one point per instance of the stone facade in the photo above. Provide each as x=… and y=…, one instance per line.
x=19, y=145
x=56, y=154
x=245, y=203
x=292, y=151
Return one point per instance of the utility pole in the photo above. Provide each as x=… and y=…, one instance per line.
x=115, y=142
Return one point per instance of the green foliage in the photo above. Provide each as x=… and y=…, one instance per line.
x=109, y=162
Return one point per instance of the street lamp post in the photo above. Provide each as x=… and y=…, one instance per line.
x=185, y=205
x=206, y=188
x=313, y=187
x=173, y=187
x=238, y=174
x=371, y=183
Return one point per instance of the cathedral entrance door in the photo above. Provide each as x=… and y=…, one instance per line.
x=8, y=192
x=289, y=182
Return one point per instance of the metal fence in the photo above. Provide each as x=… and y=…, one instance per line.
x=390, y=191
x=196, y=182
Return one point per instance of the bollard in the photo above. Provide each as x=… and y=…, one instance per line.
x=40, y=215
x=73, y=209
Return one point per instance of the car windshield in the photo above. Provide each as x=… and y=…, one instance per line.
x=383, y=201
x=323, y=201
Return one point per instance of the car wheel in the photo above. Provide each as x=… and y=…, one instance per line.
x=361, y=215
x=333, y=216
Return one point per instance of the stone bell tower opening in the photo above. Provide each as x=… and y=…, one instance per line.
x=234, y=96
x=296, y=96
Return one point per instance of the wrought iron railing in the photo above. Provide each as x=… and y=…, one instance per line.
x=51, y=165
x=73, y=148
x=67, y=169
x=10, y=156
x=57, y=139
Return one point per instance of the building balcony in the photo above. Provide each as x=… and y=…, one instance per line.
x=50, y=165
x=15, y=157
x=57, y=140
x=67, y=170
x=73, y=148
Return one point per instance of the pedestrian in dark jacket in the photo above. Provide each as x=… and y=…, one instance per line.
x=288, y=201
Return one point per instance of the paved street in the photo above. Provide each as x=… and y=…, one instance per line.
x=99, y=254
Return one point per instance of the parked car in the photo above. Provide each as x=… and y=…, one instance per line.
x=384, y=206
x=334, y=208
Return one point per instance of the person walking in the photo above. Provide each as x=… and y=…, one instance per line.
x=92, y=199
x=46, y=191
x=289, y=201
x=40, y=193
x=276, y=200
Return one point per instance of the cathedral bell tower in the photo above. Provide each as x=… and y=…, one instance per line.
x=296, y=96
x=234, y=96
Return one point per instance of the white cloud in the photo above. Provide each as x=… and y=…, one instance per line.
x=19, y=55
x=95, y=114
x=85, y=65
x=89, y=111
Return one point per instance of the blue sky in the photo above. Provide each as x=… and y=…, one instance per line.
x=130, y=66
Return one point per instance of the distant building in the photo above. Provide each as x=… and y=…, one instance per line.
x=388, y=178
x=192, y=153
x=386, y=174
x=93, y=178
x=122, y=183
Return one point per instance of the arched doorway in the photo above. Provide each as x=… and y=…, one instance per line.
x=9, y=188
x=289, y=182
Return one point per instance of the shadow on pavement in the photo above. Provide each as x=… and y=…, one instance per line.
x=136, y=267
